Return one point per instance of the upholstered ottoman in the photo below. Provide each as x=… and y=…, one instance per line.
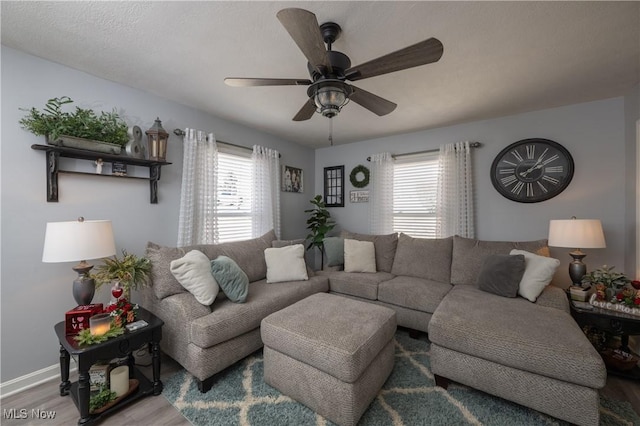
x=329, y=353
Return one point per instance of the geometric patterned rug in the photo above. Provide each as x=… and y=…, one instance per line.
x=409, y=397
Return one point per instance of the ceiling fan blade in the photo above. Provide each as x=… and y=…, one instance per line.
x=422, y=53
x=306, y=112
x=250, y=82
x=304, y=29
x=373, y=103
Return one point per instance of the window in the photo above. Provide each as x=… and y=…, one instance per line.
x=415, y=180
x=234, y=194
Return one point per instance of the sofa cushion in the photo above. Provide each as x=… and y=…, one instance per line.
x=385, y=247
x=413, y=293
x=501, y=274
x=231, y=279
x=164, y=284
x=286, y=264
x=359, y=256
x=356, y=284
x=517, y=334
x=538, y=273
x=193, y=272
x=423, y=258
x=468, y=255
x=229, y=320
x=334, y=249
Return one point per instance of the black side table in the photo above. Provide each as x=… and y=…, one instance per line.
x=116, y=347
x=617, y=323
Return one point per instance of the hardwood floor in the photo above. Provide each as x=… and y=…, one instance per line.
x=157, y=411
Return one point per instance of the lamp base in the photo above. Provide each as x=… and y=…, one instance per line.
x=84, y=287
x=577, y=269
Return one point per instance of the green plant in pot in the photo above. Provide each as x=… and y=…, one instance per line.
x=319, y=224
x=130, y=271
x=606, y=277
x=61, y=127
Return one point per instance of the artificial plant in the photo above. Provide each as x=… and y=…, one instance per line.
x=318, y=224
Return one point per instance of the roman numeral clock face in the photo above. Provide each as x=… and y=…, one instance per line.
x=532, y=170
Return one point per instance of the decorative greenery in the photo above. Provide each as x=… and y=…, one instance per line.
x=101, y=399
x=353, y=177
x=53, y=122
x=122, y=312
x=130, y=270
x=606, y=276
x=319, y=224
x=86, y=338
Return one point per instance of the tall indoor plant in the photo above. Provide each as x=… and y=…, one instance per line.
x=319, y=224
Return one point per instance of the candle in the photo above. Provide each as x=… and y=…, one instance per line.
x=99, y=324
x=119, y=379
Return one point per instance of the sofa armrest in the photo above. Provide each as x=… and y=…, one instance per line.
x=553, y=297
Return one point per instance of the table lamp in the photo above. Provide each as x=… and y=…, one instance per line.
x=78, y=241
x=577, y=234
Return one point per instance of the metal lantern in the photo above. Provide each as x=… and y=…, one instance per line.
x=157, y=139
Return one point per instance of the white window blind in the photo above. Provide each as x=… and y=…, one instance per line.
x=415, y=180
x=234, y=195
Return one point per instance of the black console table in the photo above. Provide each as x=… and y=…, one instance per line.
x=116, y=347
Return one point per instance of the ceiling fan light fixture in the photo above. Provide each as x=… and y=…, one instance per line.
x=330, y=96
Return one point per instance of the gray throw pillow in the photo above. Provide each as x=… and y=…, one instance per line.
x=334, y=249
x=501, y=274
x=231, y=279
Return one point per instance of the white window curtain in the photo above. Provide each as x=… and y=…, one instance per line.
x=381, y=194
x=455, y=198
x=197, y=224
x=265, y=200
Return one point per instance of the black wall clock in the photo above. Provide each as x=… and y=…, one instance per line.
x=532, y=170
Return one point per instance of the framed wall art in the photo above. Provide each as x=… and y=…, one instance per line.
x=292, y=179
x=334, y=186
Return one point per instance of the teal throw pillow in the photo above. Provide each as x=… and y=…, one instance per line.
x=231, y=279
x=334, y=248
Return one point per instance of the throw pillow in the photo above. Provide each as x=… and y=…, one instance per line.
x=193, y=272
x=359, y=256
x=385, y=246
x=501, y=274
x=538, y=273
x=308, y=255
x=334, y=249
x=286, y=264
x=231, y=279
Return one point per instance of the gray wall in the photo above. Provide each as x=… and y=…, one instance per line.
x=593, y=132
x=35, y=295
x=632, y=116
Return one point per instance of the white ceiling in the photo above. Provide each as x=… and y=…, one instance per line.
x=500, y=58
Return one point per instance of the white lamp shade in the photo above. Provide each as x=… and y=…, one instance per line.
x=576, y=233
x=78, y=240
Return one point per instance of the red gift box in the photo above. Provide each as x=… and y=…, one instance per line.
x=77, y=319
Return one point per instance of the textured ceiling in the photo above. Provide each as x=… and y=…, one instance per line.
x=500, y=58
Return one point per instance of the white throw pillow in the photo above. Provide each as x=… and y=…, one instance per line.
x=286, y=264
x=538, y=273
x=193, y=272
x=359, y=256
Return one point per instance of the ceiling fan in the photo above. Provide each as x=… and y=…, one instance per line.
x=329, y=69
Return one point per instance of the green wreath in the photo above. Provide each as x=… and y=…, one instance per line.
x=353, y=177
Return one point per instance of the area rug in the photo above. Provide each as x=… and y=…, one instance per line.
x=409, y=397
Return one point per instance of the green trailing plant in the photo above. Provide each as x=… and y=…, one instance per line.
x=102, y=398
x=318, y=224
x=130, y=270
x=54, y=122
x=86, y=338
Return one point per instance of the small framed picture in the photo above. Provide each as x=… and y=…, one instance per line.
x=334, y=186
x=359, y=196
x=292, y=179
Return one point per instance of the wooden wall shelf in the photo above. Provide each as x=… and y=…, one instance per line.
x=55, y=152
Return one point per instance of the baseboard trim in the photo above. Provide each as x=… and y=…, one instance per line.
x=28, y=381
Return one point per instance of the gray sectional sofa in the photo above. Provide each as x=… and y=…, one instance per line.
x=531, y=353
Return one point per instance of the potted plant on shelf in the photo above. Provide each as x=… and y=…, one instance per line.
x=319, y=224
x=82, y=128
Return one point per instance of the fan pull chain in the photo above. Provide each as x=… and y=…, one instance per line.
x=331, y=131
